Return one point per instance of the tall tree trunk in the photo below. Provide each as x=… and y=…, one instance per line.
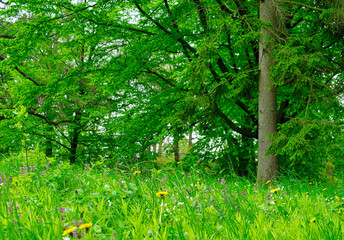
x=267, y=108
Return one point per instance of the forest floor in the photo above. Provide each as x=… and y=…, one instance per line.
x=59, y=201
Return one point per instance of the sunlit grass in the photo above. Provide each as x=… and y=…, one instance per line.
x=59, y=201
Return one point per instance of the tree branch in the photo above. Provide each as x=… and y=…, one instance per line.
x=7, y=36
x=243, y=131
x=29, y=78
x=47, y=120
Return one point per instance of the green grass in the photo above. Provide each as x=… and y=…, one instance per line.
x=121, y=205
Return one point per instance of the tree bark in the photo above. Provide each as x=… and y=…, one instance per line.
x=267, y=106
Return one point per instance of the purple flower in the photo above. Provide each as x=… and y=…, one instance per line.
x=62, y=209
x=87, y=166
x=267, y=203
x=39, y=219
x=75, y=234
x=223, y=182
x=9, y=210
x=80, y=222
x=66, y=227
x=17, y=206
x=63, y=217
x=74, y=222
x=189, y=189
x=195, y=202
x=227, y=197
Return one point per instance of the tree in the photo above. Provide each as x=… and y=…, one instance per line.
x=267, y=103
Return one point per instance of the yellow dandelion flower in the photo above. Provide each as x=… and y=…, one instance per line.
x=339, y=212
x=324, y=189
x=268, y=181
x=68, y=231
x=85, y=226
x=161, y=194
x=198, y=179
x=123, y=197
x=310, y=183
x=337, y=198
x=313, y=219
x=307, y=193
x=274, y=190
x=123, y=171
x=137, y=172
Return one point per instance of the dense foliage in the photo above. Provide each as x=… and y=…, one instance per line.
x=83, y=79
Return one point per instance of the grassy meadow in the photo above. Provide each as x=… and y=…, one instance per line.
x=53, y=200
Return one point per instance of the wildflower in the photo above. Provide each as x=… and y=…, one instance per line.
x=337, y=198
x=68, y=231
x=137, y=172
x=123, y=197
x=87, y=166
x=267, y=182
x=85, y=226
x=76, y=234
x=274, y=190
x=310, y=183
x=62, y=209
x=324, y=189
x=307, y=193
x=313, y=219
x=223, y=182
x=198, y=179
x=161, y=194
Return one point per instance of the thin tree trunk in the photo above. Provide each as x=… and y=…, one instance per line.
x=160, y=148
x=190, y=138
x=74, y=145
x=176, y=151
x=267, y=108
